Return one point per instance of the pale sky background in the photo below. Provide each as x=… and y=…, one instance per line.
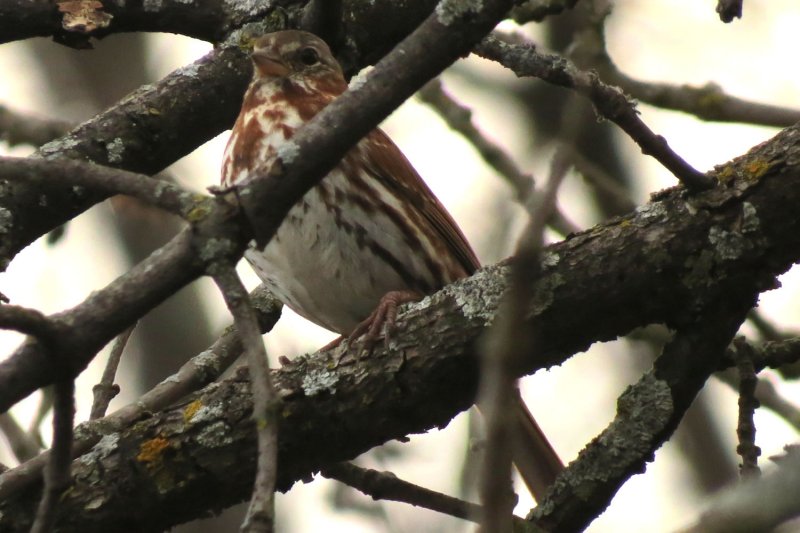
x=674, y=41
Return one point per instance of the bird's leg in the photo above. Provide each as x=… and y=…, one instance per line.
x=385, y=313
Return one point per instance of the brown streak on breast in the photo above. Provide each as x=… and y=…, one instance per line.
x=245, y=150
x=308, y=97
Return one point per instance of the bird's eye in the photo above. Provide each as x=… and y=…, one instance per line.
x=309, y=56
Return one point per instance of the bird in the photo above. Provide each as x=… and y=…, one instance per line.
x=369, y=236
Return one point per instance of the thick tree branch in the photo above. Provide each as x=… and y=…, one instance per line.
x=647, y=414
x=196, y=373
x=671, y=262
x=209, y=20
x=145, y=132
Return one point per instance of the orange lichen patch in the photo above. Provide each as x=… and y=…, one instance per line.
x=83, y=16
x=757, y=167
x=191, y=409
x=151, y=450
x=726, y=173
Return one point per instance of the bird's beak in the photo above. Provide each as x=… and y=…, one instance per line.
x=268, y=64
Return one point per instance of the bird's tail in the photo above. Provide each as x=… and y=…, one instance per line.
x=537, y=461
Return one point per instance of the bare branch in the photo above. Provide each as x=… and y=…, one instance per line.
x=508, y=343
x=22, y=445
x=459, y=118
x=609, y=101
x=387, y=486
x=198, y=372
x=757, y=504
x=45, y=173
x=137, y=134
x=647, y=414
x=102, y=316
x=707, y=102
x=746, y=429
x=57, y=474
x=106, y=390
x=27, y=321
x=16, y=128
x=260, y=515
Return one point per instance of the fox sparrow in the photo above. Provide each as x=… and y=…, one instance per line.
x=370, y=235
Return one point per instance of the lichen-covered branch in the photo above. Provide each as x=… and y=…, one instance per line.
x=671, y=262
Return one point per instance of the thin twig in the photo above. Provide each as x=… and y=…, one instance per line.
x=158, y=193
x=759, y=504
x=765, y=328
x=387, y=486
x=106, y=390
x=23, y=445
x=509, y=342
x=17, y=128
x=745, y=428
x=600, y=179
x=459, y=119
x=57, y=474
x=261, y=511
x=193, y=375
x=707, y=102
x=767, y=397
x=610, y=102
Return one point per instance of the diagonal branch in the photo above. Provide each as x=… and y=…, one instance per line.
x=610, y=102
x=148, y=130
x=677, y=254
x=647, y=414
x=260, y=515
x=447, y=34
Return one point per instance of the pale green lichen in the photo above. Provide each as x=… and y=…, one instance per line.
x=728, y=245
x=161, y=187
x=207, y=413
x=214, y=435
x=58, y=146
x=151, y=5
x=550, y=259
x=104, y=447
x=319, y=380
x=644, y=409
x=545, y=293
x=479, y=296
x=357, y=81
x=115, y=149
x=750, y=222
x=214, y=249
x=651, y=212
x=450, y=11
x=6, y=220
x=248, y=8
x=287, y=152
x=244, y=37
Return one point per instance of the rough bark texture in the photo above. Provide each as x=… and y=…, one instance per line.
x=677, y=260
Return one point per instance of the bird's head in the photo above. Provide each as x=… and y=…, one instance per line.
x=294, y=55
